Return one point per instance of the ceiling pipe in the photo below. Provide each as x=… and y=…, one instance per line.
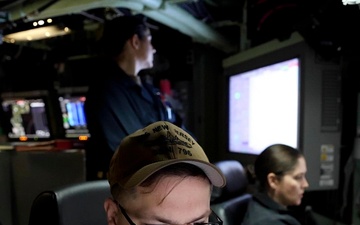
x=158, y=10
x=23, y=11
x=12, y=4
x=180, y=19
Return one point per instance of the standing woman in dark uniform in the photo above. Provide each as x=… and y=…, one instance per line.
x=280, y=171
x=118, y=103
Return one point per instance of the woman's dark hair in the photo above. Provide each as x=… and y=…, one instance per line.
x=277, y=159
x=117, y=31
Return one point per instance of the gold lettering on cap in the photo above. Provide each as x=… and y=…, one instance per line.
x=181, y=134
x=174, y=140
x=184, y=151
x=160, y=128
x=172, y=144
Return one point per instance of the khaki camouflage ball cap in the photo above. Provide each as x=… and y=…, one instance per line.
x=154, y=147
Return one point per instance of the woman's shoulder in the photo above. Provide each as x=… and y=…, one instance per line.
x=260, y=214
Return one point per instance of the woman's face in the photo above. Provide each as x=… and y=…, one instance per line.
x=290, y=187
x=146, y=52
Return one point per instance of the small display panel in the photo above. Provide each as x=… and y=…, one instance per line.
x=26, y=118
x=73, y=116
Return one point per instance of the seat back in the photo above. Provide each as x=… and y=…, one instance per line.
x=78, y=204
x=230, y=203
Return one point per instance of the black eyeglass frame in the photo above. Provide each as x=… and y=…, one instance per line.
x=219, y=220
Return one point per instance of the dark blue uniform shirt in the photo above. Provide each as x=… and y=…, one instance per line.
x=262, y=210
x=115, y=107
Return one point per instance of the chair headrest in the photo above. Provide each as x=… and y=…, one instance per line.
x=236, y=181
x=79, y=203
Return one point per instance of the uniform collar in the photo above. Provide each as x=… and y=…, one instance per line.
x=268, y=202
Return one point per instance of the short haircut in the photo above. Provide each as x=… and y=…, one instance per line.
x=178, y=170
x=120, y=29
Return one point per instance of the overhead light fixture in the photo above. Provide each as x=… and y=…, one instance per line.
x=36, y=34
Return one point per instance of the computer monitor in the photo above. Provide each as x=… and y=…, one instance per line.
x=284, y=92
x=26, y=116
x=72, y=102
x=264, y=107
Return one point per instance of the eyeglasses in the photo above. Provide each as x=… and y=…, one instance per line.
x=213, y=218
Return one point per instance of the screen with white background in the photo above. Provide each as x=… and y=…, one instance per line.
x=264, y=107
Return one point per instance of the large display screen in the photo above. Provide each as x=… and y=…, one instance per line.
x=264, y=107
